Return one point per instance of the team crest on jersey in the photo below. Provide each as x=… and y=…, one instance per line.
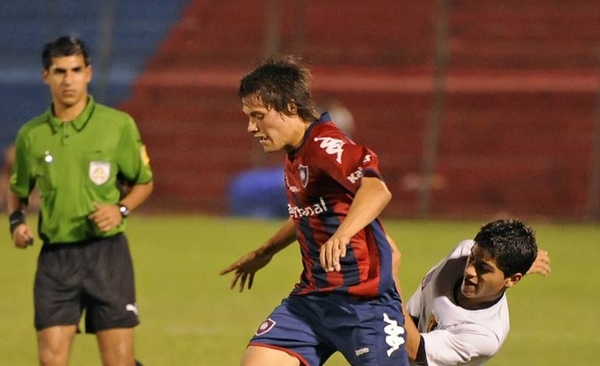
x=266, y=326
x=99, y=172
x=303, y=175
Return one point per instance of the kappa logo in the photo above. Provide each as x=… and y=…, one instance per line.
x=332, y=146
x=266, y=326
x=394, y=333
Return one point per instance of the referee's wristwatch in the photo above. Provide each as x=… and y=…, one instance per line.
x=124, y=210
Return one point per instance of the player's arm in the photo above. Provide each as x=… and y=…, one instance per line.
x=370, y=199
x=396, y=261
x=250, y=263
x=415, y=346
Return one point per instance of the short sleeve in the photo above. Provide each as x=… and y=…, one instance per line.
x=21, y=181
x=348, y=164
x=134, y=163
x=459, y=344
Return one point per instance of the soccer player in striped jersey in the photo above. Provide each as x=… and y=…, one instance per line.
x=346, y=299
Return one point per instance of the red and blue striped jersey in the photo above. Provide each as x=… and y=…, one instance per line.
x=321, y=179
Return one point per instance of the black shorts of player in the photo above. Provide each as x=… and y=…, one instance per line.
x=95, y=277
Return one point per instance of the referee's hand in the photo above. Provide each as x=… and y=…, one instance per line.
x=106, y=217
x=22, y=236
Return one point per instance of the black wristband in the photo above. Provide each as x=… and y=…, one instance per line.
x=15, y=219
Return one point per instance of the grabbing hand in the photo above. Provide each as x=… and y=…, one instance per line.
x=541, y=265
x=246, y=267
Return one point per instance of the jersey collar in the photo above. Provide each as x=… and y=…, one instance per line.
x=324, y=118
x=79, y=122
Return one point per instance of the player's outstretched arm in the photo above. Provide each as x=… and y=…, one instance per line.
x=246, y=267
x=541, y=265
x=414, y=341
x=250, y=263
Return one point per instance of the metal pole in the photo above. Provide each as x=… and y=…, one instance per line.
x=272, y=45
x=594, y=187
x=299, y=26
x=53, y=11
x=434, y=126
x=105, y=35
x=273, y=28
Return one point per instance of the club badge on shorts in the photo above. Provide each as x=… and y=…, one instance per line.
x=265, y=326
x=99, y=172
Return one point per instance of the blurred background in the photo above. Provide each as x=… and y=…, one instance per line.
x=476, y=108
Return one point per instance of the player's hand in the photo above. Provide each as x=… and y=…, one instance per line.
x=541, y=265
x=246, y=267
x=106, y=217
x=23, y=236
x=332, y=251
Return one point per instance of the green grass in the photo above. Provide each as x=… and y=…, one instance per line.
x=190, y=317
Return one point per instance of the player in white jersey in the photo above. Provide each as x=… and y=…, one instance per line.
x=460, y=310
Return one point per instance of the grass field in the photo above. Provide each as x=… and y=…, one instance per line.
x=191, y=318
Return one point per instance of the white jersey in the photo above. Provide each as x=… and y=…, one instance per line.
x=452, y=334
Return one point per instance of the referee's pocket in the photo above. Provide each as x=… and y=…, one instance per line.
x=44, y=171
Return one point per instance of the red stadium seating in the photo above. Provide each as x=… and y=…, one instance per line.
x=518, y=111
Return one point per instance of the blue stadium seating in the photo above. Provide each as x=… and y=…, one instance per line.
x=138, y=28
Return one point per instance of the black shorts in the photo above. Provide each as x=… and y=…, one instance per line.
x=95, y=277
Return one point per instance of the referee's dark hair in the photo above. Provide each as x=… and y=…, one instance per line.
x=64, y=46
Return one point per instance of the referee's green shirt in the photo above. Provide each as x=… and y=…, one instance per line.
x=75, y=165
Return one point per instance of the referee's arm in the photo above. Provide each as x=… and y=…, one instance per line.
x=138, y=194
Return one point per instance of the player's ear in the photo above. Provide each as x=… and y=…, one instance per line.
x=292, y=109
x=90, y=73
x=512, y=280
x=45, y=73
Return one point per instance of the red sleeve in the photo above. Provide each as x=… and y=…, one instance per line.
x=345, y=161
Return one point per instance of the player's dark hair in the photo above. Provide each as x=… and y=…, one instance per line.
x=511, y=243
x=281, y=83
x=64, y=46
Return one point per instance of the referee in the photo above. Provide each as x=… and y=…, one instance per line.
x=80, y=155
